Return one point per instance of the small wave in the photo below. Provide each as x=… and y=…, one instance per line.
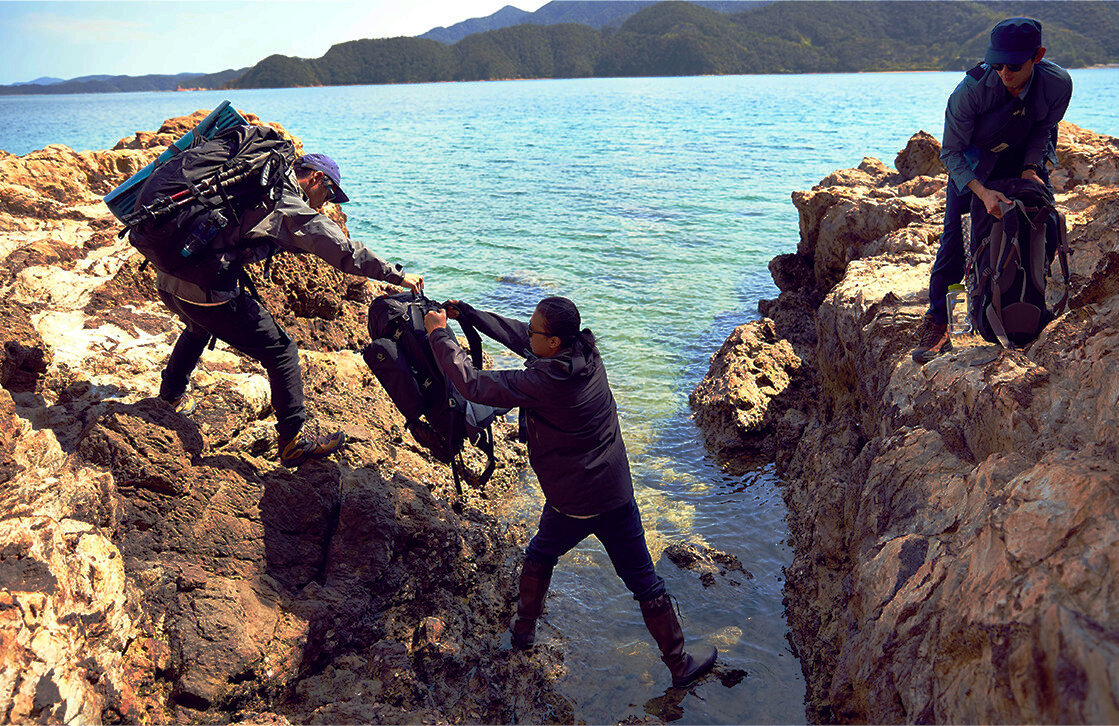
x=654, y=215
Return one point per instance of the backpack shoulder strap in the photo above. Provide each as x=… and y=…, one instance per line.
x=1039, y=224
x=1063, y=253
x=485, y=443
x=475, y=341
x=485, y=440
x=1003, y=233
x=458, y=426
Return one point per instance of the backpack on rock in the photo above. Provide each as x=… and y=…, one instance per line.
x=1010, y=262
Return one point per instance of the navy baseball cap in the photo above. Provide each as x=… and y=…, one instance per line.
x=1014, y=40
x=323, y=163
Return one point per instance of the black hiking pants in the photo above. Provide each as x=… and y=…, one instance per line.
x=621, y=534
x=244, y=325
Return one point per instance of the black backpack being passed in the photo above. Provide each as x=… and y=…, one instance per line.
x=1010, y=263
x=186, y=219
x=401, y=358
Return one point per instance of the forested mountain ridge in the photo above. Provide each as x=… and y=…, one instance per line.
x=598, y=14
x=119, y=84
x=672, y=39
x=680, y=38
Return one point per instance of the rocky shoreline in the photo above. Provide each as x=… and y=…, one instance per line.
x=954, y=545
x=955, y=536
x=159, y=568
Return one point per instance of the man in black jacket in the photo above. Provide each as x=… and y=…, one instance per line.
x=575, y=446
x=292, y=223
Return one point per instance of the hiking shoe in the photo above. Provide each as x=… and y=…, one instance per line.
x=932, y=340
x=184, y=404
x=304, y=447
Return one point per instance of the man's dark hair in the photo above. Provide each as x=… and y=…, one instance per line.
x=563, y=321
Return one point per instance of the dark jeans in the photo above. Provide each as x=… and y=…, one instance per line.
x=244, y=325
x=619, y=531
x=951, y=258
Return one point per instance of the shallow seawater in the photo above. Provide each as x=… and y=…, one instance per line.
x=614, y=670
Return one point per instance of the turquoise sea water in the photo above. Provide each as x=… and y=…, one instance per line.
x=656, y=205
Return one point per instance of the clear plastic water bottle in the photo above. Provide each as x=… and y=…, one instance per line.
x=959, y=322
x=204, y=232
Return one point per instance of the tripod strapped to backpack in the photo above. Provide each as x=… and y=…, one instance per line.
x=208, y=191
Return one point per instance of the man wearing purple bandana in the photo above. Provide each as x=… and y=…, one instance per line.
x=294, y=223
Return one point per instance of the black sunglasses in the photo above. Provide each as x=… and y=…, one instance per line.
x=330, y=186
x=1012, y=67
x=532, y=332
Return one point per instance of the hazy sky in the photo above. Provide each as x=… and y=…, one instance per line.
x=69, y=39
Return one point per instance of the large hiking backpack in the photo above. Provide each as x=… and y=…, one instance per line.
x=401, y=358
x=187, y=216
x=1010, y=263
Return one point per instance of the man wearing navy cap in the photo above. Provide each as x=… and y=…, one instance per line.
x=1001, y=122
x=295, y=223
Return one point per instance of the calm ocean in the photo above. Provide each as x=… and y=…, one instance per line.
x=654, y=203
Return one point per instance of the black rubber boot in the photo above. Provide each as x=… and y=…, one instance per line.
x=535, y=578
x=661, y=621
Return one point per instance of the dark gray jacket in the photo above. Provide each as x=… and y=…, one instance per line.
x=982, y=121
x=575, y=442
x=291, y=224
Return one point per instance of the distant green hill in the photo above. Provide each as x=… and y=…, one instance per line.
x=117, y=84
x=682, y=38
x=391, y=60
x=676, y=38
x=529, y=51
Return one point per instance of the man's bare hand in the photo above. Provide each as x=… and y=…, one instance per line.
x=989, y=197
x=991, y=200
x=415, y=283
x=434, y=320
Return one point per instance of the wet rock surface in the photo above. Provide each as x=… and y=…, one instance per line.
x=712, y=564
x=953, y=523
x=165, y=568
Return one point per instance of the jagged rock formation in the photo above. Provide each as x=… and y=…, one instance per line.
x=954, y=526
x=158, y=568
x=749, y=388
